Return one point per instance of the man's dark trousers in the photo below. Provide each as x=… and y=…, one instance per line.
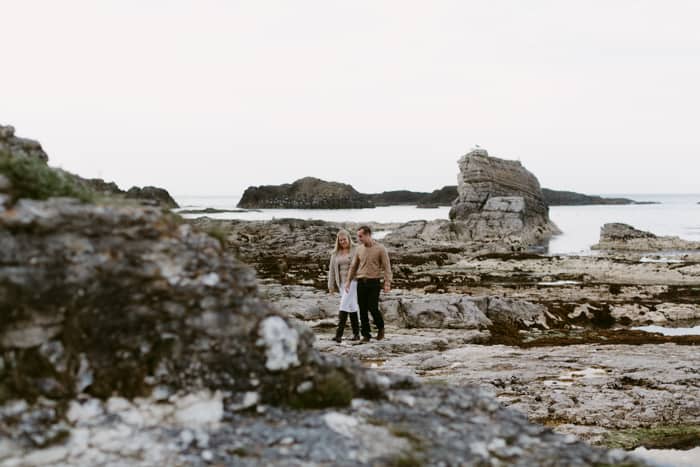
x=368, y=300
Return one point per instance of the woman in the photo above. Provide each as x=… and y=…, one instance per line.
x=342, y=257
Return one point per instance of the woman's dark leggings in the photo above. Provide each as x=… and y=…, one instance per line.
x=354, y=322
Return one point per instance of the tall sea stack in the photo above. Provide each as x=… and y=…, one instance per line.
x=499, y=198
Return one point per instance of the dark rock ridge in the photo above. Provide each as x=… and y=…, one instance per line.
x=314, y=193
x=398, y=197
x=499, y=198
x=570, y=198
x=441, y=197
x=305, y=193
x=623, y=237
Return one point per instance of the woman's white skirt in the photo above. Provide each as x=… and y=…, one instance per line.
x=348, y=301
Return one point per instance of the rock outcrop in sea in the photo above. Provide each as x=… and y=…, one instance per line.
x=130, y=337
x=499, y=198
x=571, y=198
x=305, y=193
x=623, y=237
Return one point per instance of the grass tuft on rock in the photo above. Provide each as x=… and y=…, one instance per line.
x=32, y=178
x=332, y=389
x=218, y=233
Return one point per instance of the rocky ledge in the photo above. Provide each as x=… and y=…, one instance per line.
x=623, y=237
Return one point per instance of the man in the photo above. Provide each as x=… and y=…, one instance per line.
x=371, y=263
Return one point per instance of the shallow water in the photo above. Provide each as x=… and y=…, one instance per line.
x=678, y=215
x=667, y=331
x=670, y=457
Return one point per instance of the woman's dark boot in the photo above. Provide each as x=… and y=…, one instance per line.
x=355, y=323
x=342, y=318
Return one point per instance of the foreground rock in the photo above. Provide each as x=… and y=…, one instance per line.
x=623, y=237
x=499, y=199
x=305, y=193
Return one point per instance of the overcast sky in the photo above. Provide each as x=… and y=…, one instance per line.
x=208, y=97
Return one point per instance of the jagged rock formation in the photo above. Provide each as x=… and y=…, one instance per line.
x=623, y=237
x=305, y=193
x=499, y=199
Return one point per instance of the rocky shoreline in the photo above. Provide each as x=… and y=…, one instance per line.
x=548, y=335
x=130, y=337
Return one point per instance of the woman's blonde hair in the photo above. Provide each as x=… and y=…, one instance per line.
x=337, y=243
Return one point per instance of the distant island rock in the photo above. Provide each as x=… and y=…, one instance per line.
x=570, y=198
x=314, y=193
x=305, y=193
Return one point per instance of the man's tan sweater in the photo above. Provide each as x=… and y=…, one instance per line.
x=371, y=263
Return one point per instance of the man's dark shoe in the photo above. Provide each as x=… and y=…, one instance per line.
x=356, y=337
x=365, y=340
x=338, y=339
x=380, y=334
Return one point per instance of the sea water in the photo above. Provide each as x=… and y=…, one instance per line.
x=676, y=215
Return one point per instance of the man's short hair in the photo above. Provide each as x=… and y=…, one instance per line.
x=365, y=230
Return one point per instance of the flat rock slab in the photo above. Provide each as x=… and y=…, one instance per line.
x=583, y=389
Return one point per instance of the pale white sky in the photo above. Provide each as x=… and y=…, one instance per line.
x=210, y=96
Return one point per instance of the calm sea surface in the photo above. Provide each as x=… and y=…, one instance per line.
x=677, y=215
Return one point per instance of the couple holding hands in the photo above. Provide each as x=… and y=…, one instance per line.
x=357, y=273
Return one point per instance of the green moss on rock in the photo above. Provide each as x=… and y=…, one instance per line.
x=32, y=178
x=662, y=437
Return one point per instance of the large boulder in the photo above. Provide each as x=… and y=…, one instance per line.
x=305, y=193
x=500, y=199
